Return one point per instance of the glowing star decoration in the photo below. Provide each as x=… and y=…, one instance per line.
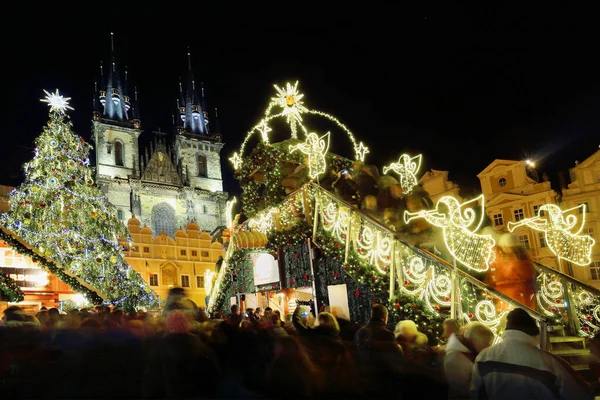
x=264, y=130
x=56, y=102
x=406, y=168
x=361, y=150
x=315, y=148
x=467, y=247
x=236, y=160
x=290, y=101
x=228, y=212
x=557, y=228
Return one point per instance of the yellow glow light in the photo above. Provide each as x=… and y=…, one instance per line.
x=228, y=212
x=264, y=222
x=264, y=131
x=467, y=247
x=236, y=160
x=208, y=280
x=315, y=148
x=360, y=152
x=56, y=101
x=565, y=244
x=406, y=168
x=290, y=101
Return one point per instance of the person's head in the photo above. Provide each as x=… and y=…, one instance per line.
x=54, y=314
x=268, y=310
x=407, y=329
x=328, y=322
x=450, y=326
x=260, y=312
x=519, y=320
x=380, y=313
x=249, y=312
x=177, y=321
x=477, y=335
x=235, y=309
x=14, y=313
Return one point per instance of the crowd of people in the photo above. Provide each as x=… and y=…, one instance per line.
x=182, y=353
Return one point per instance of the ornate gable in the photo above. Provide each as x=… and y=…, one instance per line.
x=160, y=168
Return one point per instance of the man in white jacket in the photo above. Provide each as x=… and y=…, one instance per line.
x=517, y=369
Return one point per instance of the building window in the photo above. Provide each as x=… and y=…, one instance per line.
x=153, y=279
x=589, y=231
x=205, y=209
x=194, y=253
x=120, y=214
x=524, y=241
x=542, y=238
x=146, y=249
x=185, y=281
x=519, y=214
x=498, y=219
x=205, y=254
x=502, y=182
x=183, y=252
x=200, y=282
x=537, y=212
x=201, y=165
x=118, y=153
x=585, y=208
x=163, y=219
x=595, y=269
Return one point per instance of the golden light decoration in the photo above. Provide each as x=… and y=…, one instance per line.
x=264, y=222
x=557, y=228
x=360, y=151
x=264, y=131
x=469, y=248
x=229, y=212
x=290, y=101
x=315, y=148
x=426, y=285
x=406, y=168
x=208, y=280
x=236, y=160
x=56, y=101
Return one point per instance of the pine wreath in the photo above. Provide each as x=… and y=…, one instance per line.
x=11, y=289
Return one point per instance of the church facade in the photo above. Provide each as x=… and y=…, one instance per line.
x=171, y=183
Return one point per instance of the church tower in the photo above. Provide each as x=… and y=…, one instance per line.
x=116, y=123
x=197, y=144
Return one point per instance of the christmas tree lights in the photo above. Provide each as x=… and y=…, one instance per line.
x=315, y=148
x=229, y=212
x=469, y=248
x=60, y=212
x=406, y=168
x=557, y=226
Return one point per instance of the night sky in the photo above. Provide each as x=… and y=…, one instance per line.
x=463, y=87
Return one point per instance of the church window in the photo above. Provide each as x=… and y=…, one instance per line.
x=118, y=153
x=163, y=219
x=205, y=209
x=201, y=165
x=120, y=215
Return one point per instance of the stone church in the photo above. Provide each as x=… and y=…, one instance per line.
x=170, y=183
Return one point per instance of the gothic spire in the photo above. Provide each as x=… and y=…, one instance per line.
x=190, y=107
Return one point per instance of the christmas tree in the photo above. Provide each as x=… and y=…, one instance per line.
x=60, y=211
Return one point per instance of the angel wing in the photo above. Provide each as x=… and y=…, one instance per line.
x=571, y=220
x=414, y=163
x=468, y=214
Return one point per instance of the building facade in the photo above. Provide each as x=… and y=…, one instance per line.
x=512, y=192
x=169, y=184
x=584, y=192
x=188, y=259
x=436, y=183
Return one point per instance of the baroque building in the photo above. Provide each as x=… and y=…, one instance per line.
x=166, y=185
x=512, y=192
x=436, y=183
x=584, y=192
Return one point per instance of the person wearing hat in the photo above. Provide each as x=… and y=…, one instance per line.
x=517, y=369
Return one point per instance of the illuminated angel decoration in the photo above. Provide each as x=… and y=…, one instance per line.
x=406, y=168
x=264, y=223
x=469, y=248
x=315, y=148
x=557, y=228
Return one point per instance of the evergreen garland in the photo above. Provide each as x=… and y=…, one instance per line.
x=10, y=289
x=73, y=283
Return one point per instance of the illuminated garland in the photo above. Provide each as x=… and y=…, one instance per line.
x=51, y=267
x=11, y=289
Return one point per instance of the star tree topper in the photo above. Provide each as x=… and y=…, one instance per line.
x=56, y=101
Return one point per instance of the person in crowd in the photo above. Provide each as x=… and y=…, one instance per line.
x=259, y=313
x=461, y=350
x=345, y=187
x=174, y=299
x=516, y=368
x=449, y=326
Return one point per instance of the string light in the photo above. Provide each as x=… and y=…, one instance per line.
x=236, y=160
x=315, y=148
x=208, y=280
x=572, y=247
x=229, y=212
x=361, y=151
x=471, y=249
x=264, y=131
x=434, y=289
x=406, y=168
